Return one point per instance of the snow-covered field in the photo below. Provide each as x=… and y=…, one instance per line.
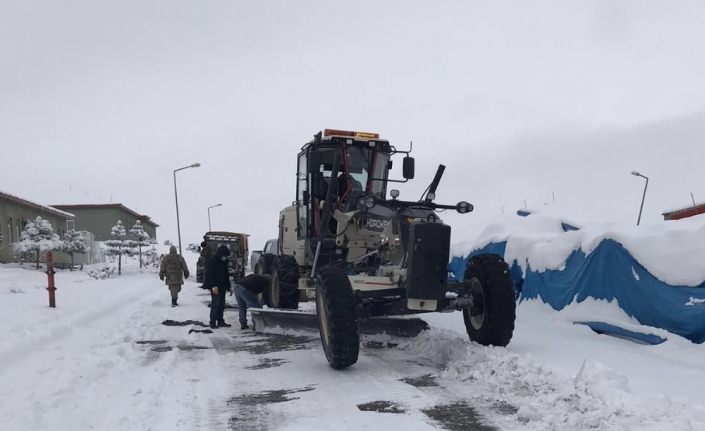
x=103, y=360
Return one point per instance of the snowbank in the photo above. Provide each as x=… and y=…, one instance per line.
x=654, y=273
x=672, y=251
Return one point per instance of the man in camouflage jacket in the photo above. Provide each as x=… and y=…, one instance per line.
x=207, y=251
x=171, y=270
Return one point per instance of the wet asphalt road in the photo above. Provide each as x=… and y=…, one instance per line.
x=288, y=382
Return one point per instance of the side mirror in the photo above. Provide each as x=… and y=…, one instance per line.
x=389, y=165
x=408, y=168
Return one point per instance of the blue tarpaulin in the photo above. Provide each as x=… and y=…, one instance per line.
x=609, y=272
x=617, y=331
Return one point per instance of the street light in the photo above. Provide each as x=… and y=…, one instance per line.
x=176, y=198
x=209, y=214
x=637, y=174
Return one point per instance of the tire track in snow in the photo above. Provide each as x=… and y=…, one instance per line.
x=338, y=398
x=96, y=380
x=59, y=332
x=72, y=361
x=177, y=390
x=421, y=377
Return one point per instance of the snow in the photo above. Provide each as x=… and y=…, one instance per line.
x=671, y=251
x=103, y=360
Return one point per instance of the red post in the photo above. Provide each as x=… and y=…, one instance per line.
x=50, y=276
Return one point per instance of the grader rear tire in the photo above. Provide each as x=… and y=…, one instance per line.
x=284, y=289
x=337, y=317
x=264, y=264
x=490, y=321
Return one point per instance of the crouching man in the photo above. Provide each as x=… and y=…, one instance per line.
x=247, y=290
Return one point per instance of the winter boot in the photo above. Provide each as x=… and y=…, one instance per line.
x=243, y=326
x=213, y=325
x=173, y=302
x=223, y=324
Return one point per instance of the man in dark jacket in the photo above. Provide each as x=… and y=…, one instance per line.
x=217, y=280
x=246, y=291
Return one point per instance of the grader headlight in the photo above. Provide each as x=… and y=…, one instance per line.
x=366, y=202
x=464, y=207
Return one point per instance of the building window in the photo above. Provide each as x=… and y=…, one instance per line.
x=9, y=228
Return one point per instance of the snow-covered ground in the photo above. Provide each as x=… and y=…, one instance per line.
x=103, y=360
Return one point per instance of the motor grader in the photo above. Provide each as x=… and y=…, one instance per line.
x=360, y=254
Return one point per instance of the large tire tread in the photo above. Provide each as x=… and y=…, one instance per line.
x=264, y=264
x=288, y=274
x=344, y=347
x=500, y=300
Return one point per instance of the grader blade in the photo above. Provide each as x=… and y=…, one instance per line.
x=265, y=319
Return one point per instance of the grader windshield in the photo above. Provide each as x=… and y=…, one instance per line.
x=363, y=168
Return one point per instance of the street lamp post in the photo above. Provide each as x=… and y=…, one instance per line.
x=643, y=197
x=209, y=214
x=176, y=198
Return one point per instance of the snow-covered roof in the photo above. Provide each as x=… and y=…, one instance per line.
x=142, y=217
x=25, y=202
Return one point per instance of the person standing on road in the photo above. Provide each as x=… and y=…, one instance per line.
x=247, y=290
x=207, y=251
x=171, y=269
x=217, y=279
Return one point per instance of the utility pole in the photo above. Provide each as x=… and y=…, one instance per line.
x=209, y=215
x=176, y=198
x=643, y=197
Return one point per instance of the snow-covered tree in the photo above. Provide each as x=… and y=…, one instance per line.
x=37, y=237
x=140, y=238
x=151, y=255
x=74, y=242
x=119, y=244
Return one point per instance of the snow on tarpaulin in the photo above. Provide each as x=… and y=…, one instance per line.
x=655, y=273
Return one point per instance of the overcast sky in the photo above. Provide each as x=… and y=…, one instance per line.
x=523, y=101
